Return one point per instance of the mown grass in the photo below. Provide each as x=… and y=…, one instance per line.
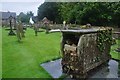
x=22, y=60
x=0, y=52
x=114, y=54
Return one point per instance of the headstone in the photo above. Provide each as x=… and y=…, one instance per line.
x=88, y=25
x=64, y=24
x=46, y=24
x=36, y=28
x=19, y=31
x=11, y=30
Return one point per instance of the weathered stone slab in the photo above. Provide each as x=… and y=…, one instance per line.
x=54, y=68
x=72, y=48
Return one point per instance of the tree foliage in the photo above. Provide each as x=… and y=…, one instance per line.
x=24, y=18
x=105, y=13
x=49, y=10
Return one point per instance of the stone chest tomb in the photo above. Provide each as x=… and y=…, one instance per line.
x=85, y=49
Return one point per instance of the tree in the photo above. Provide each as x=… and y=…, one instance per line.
x=101, y=14
x=98, y=14
x=115, y=7
x=24, y=18
x=30, y=14
x=49, y=10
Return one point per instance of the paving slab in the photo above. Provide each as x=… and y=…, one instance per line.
x=54, y=68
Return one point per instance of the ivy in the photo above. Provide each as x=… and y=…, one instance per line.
x=104, y=36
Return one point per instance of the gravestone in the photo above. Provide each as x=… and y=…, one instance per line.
x=64, y=24
x=11, y=29
x=46, y=24
x=19, y=31
x=36, y=28
x=88, y=25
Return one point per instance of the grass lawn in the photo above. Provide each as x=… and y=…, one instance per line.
x=0, y=52
x=115, y=54
x=22, y=60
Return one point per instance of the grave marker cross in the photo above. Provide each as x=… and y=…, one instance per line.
x=11, y=30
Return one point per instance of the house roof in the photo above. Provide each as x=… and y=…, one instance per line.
x=6, y=15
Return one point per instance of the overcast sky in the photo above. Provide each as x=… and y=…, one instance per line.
x=20, y=6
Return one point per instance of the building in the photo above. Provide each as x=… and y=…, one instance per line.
x=6, y=18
